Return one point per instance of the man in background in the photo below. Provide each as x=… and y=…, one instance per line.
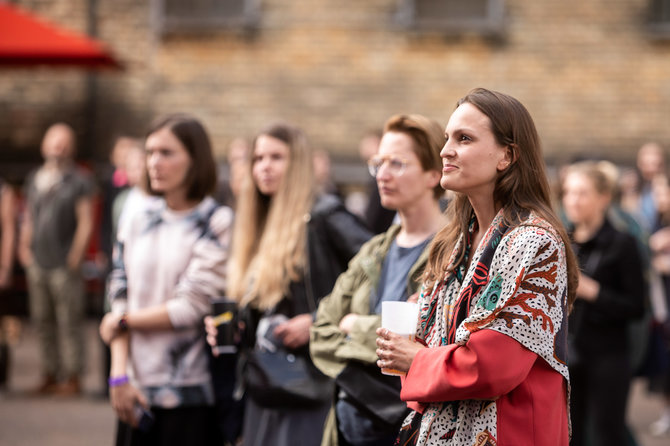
x=56, y=228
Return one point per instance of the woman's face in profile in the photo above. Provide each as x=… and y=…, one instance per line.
x=269, y=164
x=582, y=202
x=471, y=157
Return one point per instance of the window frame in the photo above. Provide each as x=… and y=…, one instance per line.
x=248, y=20
x=492, y=25
x=658, y=28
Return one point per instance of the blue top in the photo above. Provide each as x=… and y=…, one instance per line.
x=392, y=284
x=358, y=429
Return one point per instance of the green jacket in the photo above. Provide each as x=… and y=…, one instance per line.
x=330, y=348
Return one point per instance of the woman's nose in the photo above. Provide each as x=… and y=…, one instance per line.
x=264, y=164
x=447, y=151
x=384, y=171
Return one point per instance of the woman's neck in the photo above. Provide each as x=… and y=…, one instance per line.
x=177, y=201
x=485, y=210
x=419, y=222
x=57, y=164
x=585, y=230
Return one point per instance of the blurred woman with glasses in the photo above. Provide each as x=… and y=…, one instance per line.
x=387, y=268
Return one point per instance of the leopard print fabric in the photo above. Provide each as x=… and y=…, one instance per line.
x=517, y=285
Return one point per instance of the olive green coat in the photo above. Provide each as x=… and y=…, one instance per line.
x=330, y=348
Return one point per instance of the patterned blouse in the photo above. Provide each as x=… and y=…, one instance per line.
x=516, y=287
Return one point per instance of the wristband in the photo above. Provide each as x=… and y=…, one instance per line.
x=123, y=323
x=117, y=380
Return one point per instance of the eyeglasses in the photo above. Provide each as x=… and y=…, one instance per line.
x=395, y=165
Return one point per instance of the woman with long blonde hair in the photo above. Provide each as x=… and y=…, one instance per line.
x=289, y=246
x=489, y=366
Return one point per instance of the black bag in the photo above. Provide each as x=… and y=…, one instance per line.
x=284, y=379
x=373, y=393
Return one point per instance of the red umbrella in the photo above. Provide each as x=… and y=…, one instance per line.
x=27, y=40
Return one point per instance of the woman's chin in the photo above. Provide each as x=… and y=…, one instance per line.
x=389, y=204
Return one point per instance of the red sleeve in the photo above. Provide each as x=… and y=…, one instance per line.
x=489, y=365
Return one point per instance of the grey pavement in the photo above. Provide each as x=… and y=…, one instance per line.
x=27, y=420
x=89, y=420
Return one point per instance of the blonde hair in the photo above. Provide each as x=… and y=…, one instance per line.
x=269, y=240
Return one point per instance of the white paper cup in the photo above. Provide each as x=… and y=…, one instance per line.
x=401, y=319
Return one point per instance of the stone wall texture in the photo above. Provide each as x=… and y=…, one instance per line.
x=588, y=71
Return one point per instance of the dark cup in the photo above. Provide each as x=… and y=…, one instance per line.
x=224, y=312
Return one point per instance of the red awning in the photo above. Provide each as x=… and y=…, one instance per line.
x=26, y=40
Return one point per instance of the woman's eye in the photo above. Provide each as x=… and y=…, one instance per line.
x=465, y=138
x=395, y=164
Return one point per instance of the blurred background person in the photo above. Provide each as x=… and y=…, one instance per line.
x=114, y=182
x=650, y=163
x=169, y=263
x=610, y=295
x=238, y=160
x=128, y=200
x=55, y=233
x=389, y=267
x=289, y=246
x=377, y=217
x=8, y=210
x=323, y=175
x=232, y=173
x=659, y=361
x=134, y=198
x=630, y=186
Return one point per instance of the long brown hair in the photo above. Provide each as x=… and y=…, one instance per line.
x=269, y=250
x=521, y=187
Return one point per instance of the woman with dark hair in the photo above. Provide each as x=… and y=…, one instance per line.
x=169, y=261
x=489, y=366
x=387, y=268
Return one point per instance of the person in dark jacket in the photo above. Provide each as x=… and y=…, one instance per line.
x=610, y=294
x=289, y=247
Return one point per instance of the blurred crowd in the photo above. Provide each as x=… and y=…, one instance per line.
x=271, y=231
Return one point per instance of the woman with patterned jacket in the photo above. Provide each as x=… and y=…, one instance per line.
x=388, y=267
x=489, y=366
x=169, y=263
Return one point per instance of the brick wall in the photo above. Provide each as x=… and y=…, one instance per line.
x=587, y=71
